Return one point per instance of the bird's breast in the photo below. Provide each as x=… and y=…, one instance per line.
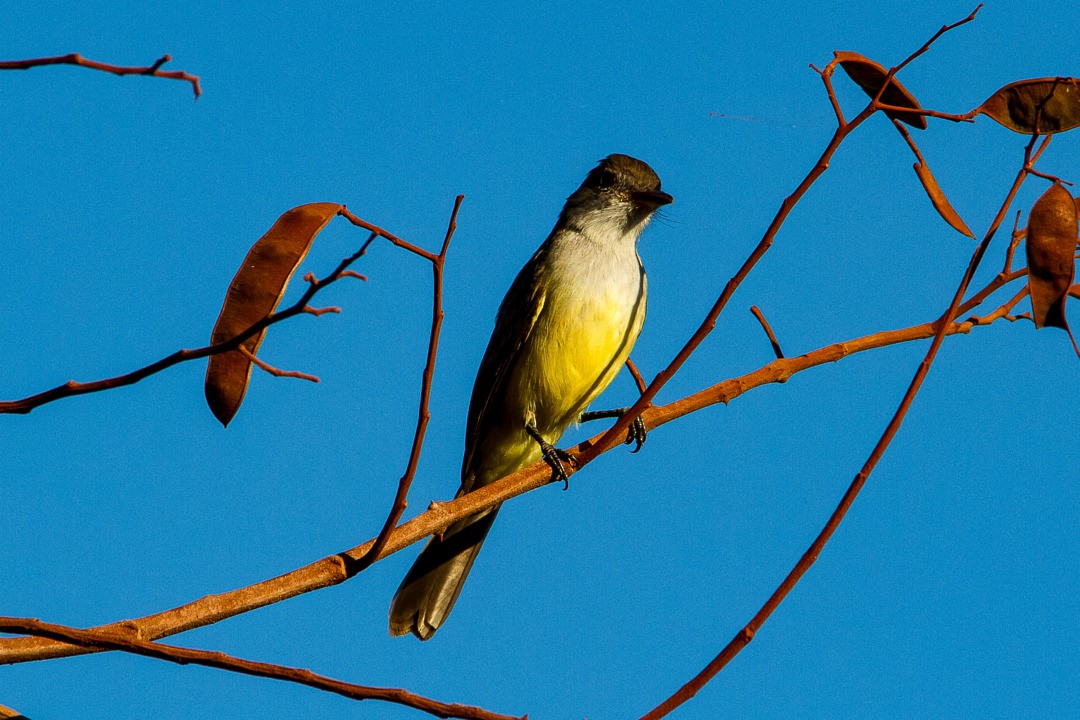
x=593, y=311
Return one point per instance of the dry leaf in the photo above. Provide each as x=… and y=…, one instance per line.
x=941, y=203
x=253, y=294
x=1016, y=105
x=1051, y=249
x=870, y=76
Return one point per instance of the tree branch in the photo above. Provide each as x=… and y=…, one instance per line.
x=768, y=331
x=438, y=263
x=941, y=329
x=72, y=388
x=77, y=59
x=125, y=641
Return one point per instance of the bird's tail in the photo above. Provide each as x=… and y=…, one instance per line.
x=428, y=593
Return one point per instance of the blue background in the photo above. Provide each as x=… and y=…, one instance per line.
x=951, y=589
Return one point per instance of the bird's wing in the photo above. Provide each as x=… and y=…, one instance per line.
x=515, y=322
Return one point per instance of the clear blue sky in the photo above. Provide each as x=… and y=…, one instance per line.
x=950, y=591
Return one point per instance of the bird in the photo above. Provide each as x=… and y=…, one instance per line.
x=562, y=333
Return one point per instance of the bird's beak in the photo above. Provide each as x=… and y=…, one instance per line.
x=651, y=199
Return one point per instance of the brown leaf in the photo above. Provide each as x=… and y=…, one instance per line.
x=1016, y=105
x=253, y=294
x=870, y=76
x=1051, y=248
x=941, y=203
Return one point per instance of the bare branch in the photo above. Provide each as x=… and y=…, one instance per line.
x=263, y=365
x=77, y=59
x=401, y=497
x=72, y=388
x=126, y=641
x=636, y=374
x=768, y=331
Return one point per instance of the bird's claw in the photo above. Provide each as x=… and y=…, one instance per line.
x=636, y=434
x=555, y=458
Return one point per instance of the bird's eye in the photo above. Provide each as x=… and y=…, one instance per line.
x=605, y=179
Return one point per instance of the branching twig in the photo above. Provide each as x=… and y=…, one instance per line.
x=942, y=327
x=131, y=643
x=400, y=499
x=77, y=59
x=72, y=388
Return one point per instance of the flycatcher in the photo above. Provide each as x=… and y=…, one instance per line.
x=564, y=329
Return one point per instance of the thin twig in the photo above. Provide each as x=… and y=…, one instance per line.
x=344, y=212
x=131, y=643
x=1017, y=235
x=77, y=59
x=636, y=374
x=276, y=372
x=768, y=331
x=423, y=414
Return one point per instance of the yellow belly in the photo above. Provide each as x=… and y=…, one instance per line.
x=591, y=313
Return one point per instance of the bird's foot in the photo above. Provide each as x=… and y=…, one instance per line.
x=553, y=456
x=635, y=434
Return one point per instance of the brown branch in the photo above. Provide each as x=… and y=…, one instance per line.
x=1002, y=312
x=941, y=329
x=319, y=312
x=332, y=570
x=768, y=331
x=72, y=388
x=954, y=117
x=1017, y=235
x=636, y=374
x=77, y=59
x=388, y=236
x=423, y=415
x=276, y=372
x=126, y=641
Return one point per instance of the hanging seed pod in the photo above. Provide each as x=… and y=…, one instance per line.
x=870, y=76
x=1043, y=105
x=253, y=294
x=1051, y=251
